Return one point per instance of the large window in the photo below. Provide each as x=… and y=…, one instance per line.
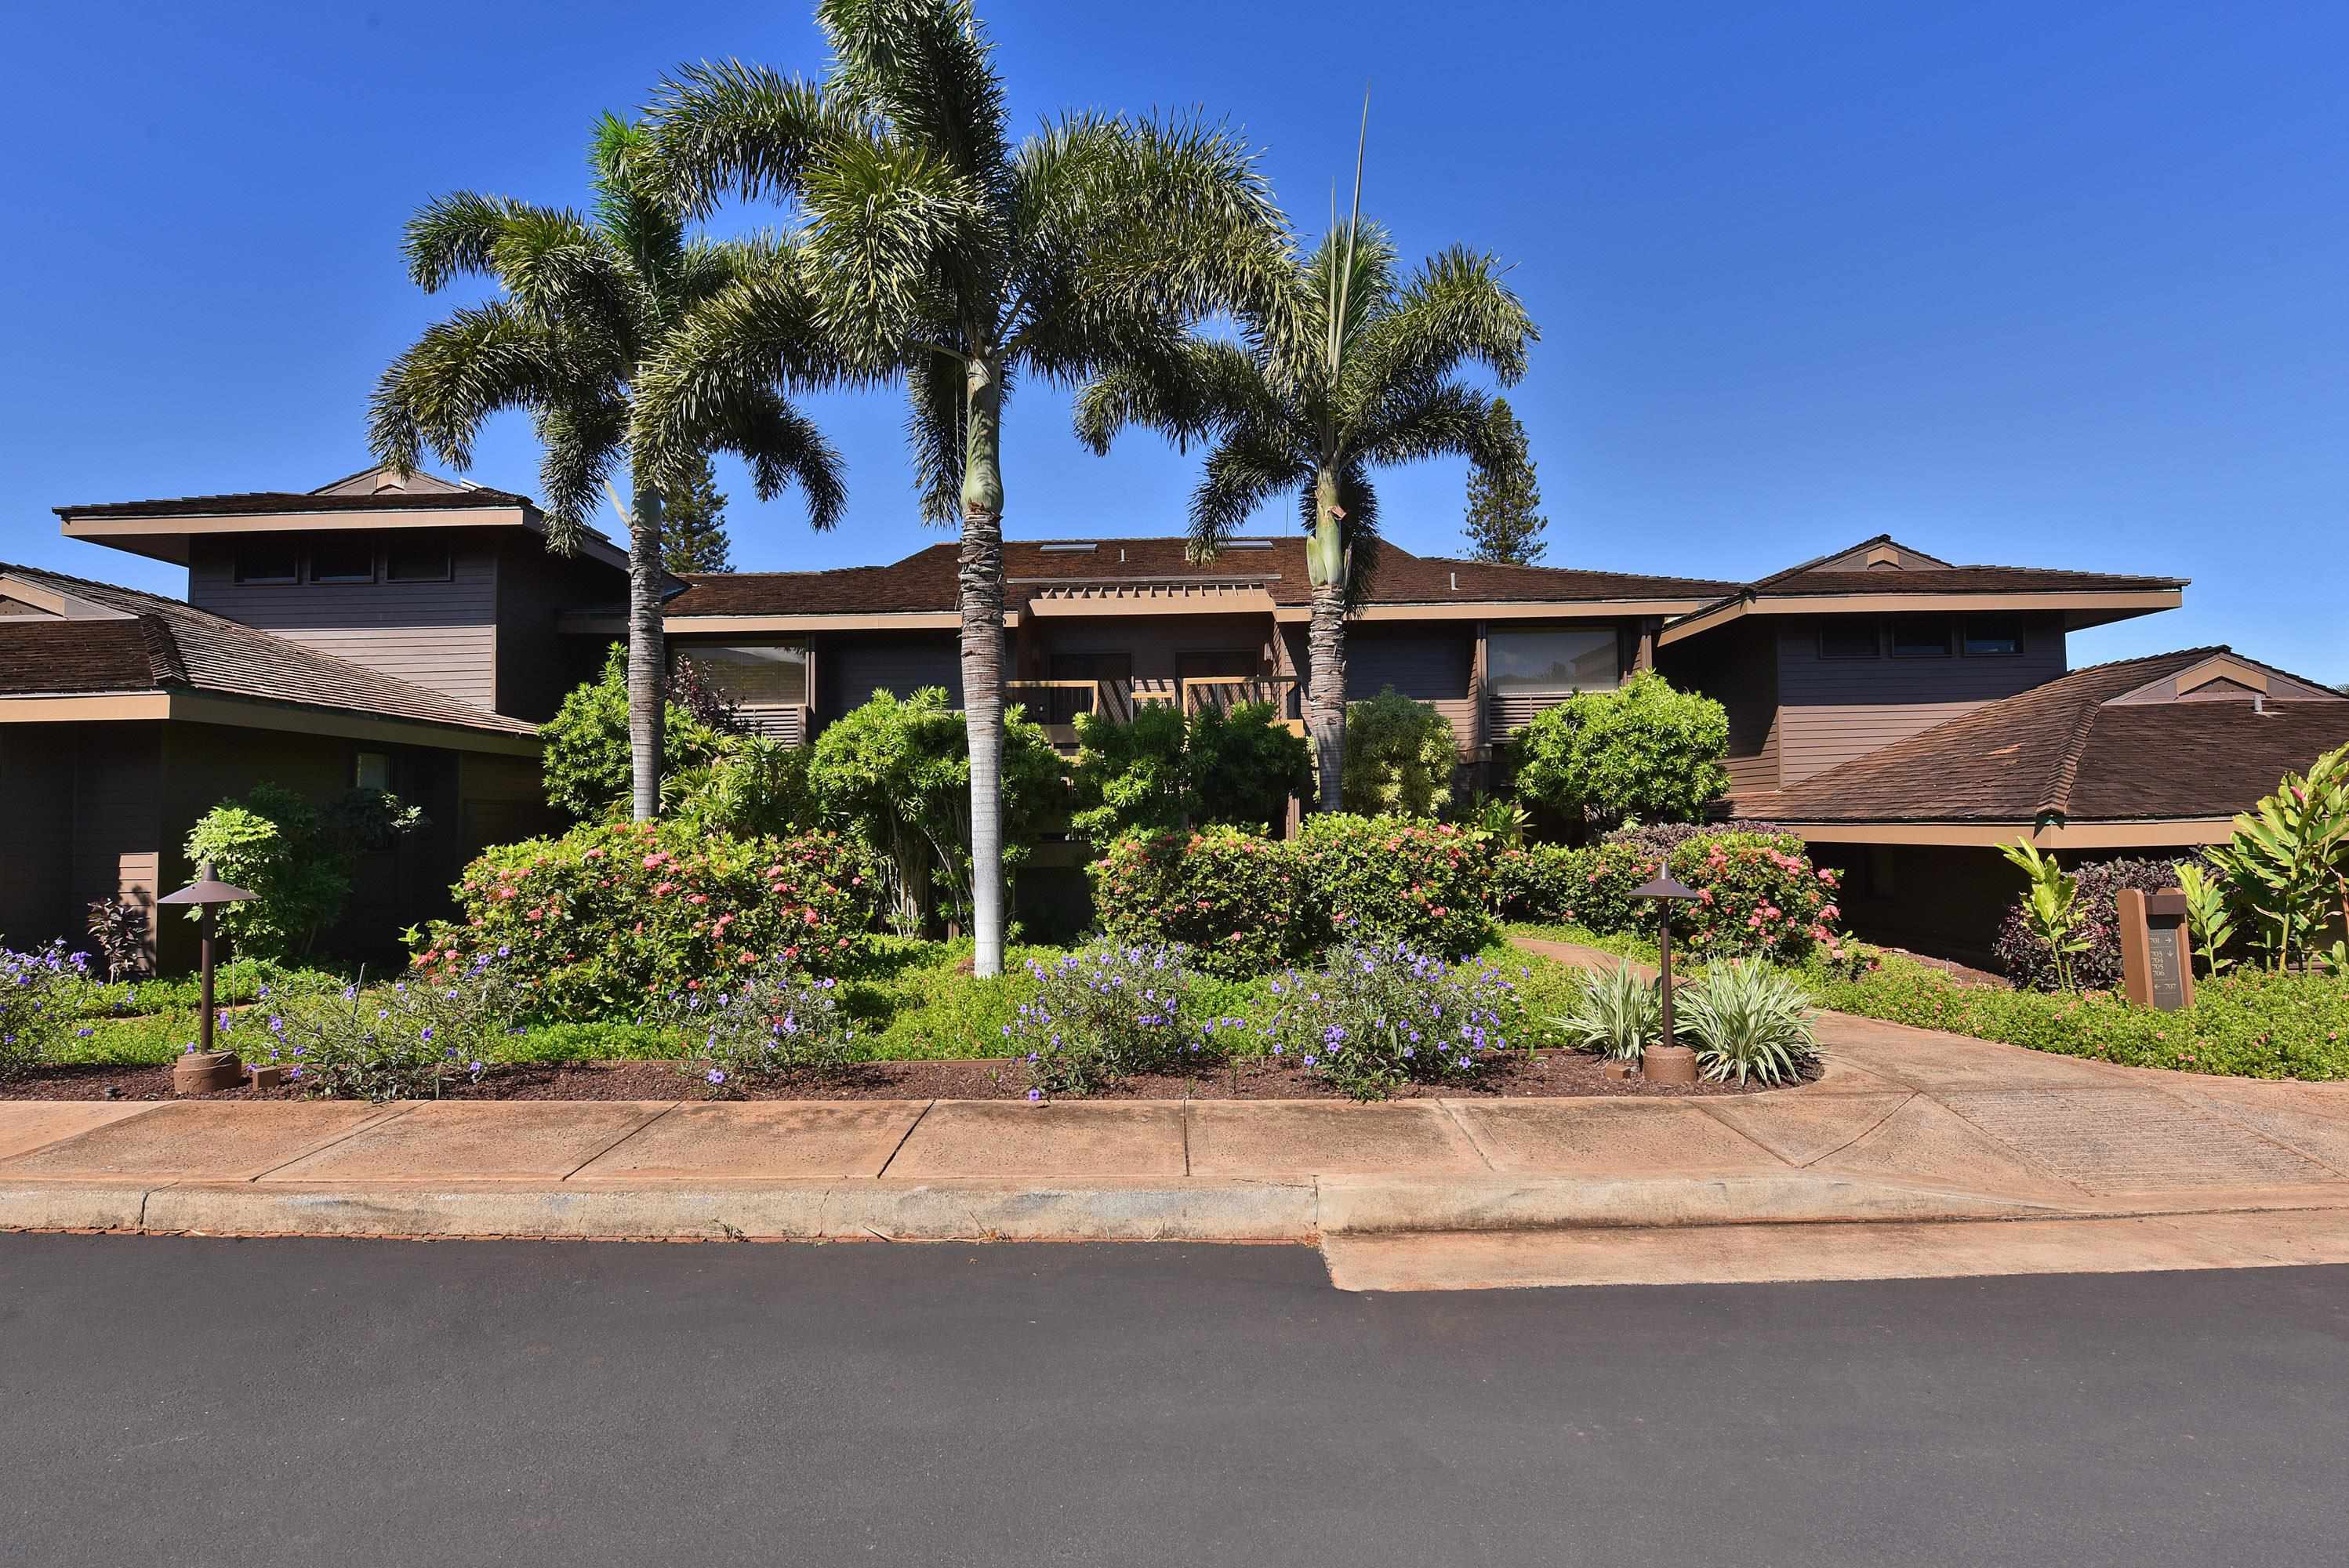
x=416, y=558
x=1993, y=636
x=1584, y=659
x=342, y=558
x=757, y=676
x=1920, y=637
x=271, y=558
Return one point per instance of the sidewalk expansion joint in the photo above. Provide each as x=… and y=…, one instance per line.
x=921, y=1116
x=623, y=1137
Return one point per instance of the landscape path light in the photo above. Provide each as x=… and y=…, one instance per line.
x=1668, y=1061
x=205, y=1069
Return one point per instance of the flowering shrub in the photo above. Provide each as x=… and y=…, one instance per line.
x=1663, y=838
x=610, y=915
x=1382, y=879
x=1537, y=882
x=751, y=1029
x=2029, y=961
x=1102, y=1014
x=1758, y=894
x=397, y=1042
x=1235, y=899
x=35, y=1008
x=1377, y=1017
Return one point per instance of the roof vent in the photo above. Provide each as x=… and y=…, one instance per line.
x=1068, y=549
x=1245, y=544
x=1456, y=583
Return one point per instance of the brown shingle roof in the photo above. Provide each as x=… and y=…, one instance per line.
x=925, y=581
x=168, y=643
x=2057, y=750
x=1961, y=579
x=258, y=503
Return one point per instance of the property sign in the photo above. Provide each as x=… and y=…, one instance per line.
x=2156, y=957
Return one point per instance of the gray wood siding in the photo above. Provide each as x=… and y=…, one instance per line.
x=441, y=636
x=1833, y=711
x=1738, y=668
x=534, y=588
x=850, y=668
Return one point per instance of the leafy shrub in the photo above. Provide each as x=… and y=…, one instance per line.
x=1661, y=838
x=1758, y=894
x=585, y=755
x=1383, y=880
x=775, y=1023
x=118, y=930
x=1400, y=758
x=1235, y=901
x=2093, y=920
x=1535, y=882
x=1642, y=750
x=895, y=775
x=296, y=860
x=1244, y=764
x=2250, y=1022
x=755, y=785
x=1375, y=1017
x=398, y=1042
x=610, y=915
x=2287, y=864
x=1105, y=1013
x=1165, y=773
x=1616, y=1012
x=37, y=1003
x=1748, y=1020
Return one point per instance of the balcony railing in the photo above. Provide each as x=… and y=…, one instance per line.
x=1056, y=704
x=1221, y=694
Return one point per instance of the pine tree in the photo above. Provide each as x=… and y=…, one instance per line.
x=1504, y=519
x=693, y=526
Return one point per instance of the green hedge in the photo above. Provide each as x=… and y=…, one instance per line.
x=1760, y=894
x=1235, y=899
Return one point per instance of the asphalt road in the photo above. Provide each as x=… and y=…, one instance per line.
x=356, y=1403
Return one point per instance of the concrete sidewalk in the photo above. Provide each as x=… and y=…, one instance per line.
x=1905, y=1127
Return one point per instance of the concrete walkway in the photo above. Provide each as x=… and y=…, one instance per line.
x=1907, y=1128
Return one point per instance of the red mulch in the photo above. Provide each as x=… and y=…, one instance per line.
x=1549, y=1073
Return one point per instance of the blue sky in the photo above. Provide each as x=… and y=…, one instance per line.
x=2056, y=285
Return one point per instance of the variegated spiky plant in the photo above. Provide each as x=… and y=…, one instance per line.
x=584, y=302
x=942, y=252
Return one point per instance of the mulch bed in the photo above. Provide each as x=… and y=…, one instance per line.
x=1549, y=1073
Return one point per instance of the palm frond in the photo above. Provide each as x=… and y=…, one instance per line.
x=482, y=359
x=781, y=444
x=934, y=434
x=892, y=248
x=629, y=213
x=925, y=68
x=454, y=236
x=1416, y=421
x=735, y=128
x=1455, y=310
x=582, y=444
x=1202, y=386
x=1245, y=470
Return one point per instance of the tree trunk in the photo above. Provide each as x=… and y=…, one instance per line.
x=1325, y=710
x=981, y=584
x=647, y=653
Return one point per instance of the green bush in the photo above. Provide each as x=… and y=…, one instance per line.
x=1164, y=773
x=895, y=775
x=1642, y=750
x=755, y=785
x=1103, y=1015
x=774, y=1023
x=1616, y=1012
x=1758, y=893
x=37, y=1003
x=1373, y=1018
x=585, y=754
x=1748, y=1021
x=609, y=916
x=296, y=861
x=1536, y=881
x=2252, y=1023
x=1246, y=764
x=1235, y=901
x=1400, y=758
x=1381, y=879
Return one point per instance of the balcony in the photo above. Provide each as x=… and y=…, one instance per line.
x=1221, y=694
x=1055, y=704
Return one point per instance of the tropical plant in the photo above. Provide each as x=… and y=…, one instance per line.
x=1377, y=1017
x=941, y=252
x=2095, y=964
x=2209, y=917
x=1617, y=1011
x=776, y=1022
x=894, y=773
x=296, y=861
x=1400, y=758
x=1344, y=367
x=756, y=786
x=585, y=749
x=1505, y=523
x=1748, y=1021
x=1105, y=1013
x=2287, y=858
x=36, y=1003
x=2050, y=907
x=584, y=304
x=1161, y=772
x=1643, y=750
x=1245, y=765
x=693, y=523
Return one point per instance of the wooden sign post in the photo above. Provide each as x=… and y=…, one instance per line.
x=2157, y=956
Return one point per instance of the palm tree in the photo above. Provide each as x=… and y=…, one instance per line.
x=942, y=252
x=1355, y=369
x=584, y=304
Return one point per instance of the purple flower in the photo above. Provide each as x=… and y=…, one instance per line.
x=716, y=1076
x=1035, y=1094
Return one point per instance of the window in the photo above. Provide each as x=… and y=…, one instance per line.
x=1586, y=660
x=754, y=677
x=417, y=559
x=267, y=560
x=342, y=559
x=1920, y=637
x=1102, y=666
x=372, y=770
x=1849, y=640
x=1993, y=636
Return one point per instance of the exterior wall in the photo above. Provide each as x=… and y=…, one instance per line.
x=1942, y=900
x=850, y=666
x=535, y=666
x=1738, y=668
x=1833, y=711
x=442, y=636
x=77, y=823
x=1436, y=666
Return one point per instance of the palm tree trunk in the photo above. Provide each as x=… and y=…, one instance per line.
x=982, y=586
x=1325, y=709
x=647, y=652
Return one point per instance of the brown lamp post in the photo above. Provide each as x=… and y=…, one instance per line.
x=1670, y=1061
x=206, y=1069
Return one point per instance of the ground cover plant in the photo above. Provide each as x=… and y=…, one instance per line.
x=778, y=1022
x=400, y=1041
x=1104, y=1013
x=1374, y=1017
